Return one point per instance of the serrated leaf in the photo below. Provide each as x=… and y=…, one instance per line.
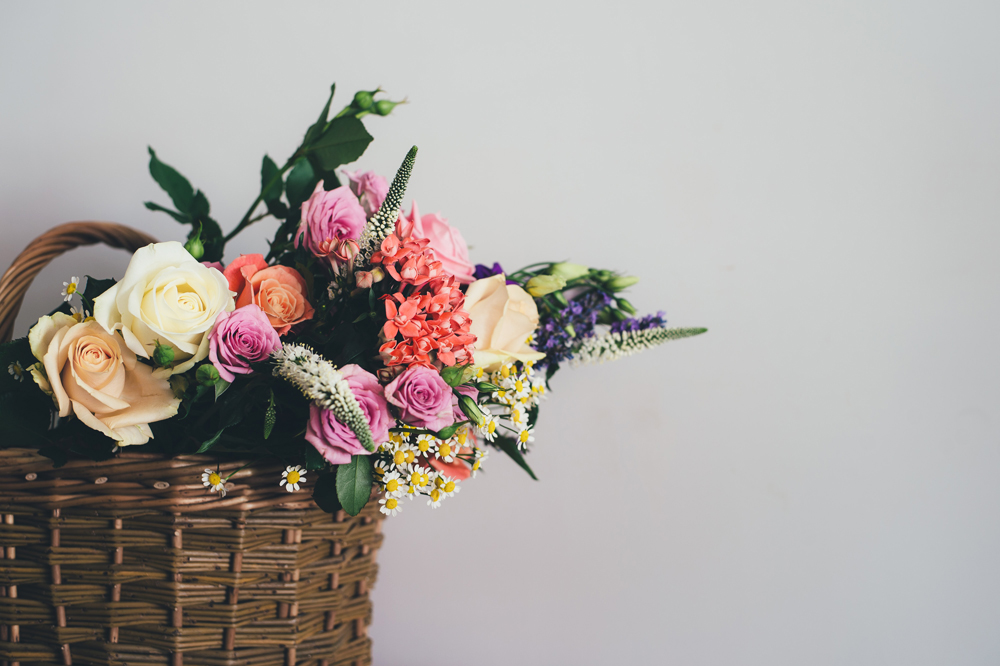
x=509, y=446
x=354, y=484
x=325, y=493
x=344, y=141
x=300, y=183
x=172, y=182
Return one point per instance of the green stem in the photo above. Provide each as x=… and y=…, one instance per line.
x=248, y=219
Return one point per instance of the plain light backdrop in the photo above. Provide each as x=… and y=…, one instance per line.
x=815, y=481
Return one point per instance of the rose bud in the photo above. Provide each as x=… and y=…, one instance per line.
x=363, y=279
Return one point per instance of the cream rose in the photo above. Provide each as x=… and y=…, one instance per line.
x=92, y=374
x=168, y=297
x=503, y=317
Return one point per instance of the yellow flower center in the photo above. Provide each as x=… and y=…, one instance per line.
x=409, y=457
x=424, y=480
x=411, y=490
x=449, y=487
x=492, y=427
x=444, y=450
x=423, y=445
x=505, y=371
x=475, y=465
x=399, y=457
x=391, y=503
x=515, y=416
x=71, y=288
x=392, y=485
x=435, y=495
x=523, y=436
x=463, y=434
x=395, y=438
x=439, y=482
x=293, y=477
x=518, y=386
x=214, y=479
x=379, y=471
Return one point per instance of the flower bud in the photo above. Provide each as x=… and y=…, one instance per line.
x=471, y=409
x=163, y=355
x=346, y=250
x=626, y=306
x=560, y=298
x=207, y=375
x=179, y=384
x=378, y=274
x=545, y=284
x=622, y=282
x=363, y=100
x=601, y=275
x=363, y=279
x=568, y=271
x=384, y=107
x=195, y=247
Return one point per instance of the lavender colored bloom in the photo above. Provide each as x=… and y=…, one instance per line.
x=553, y=334
x=647, y=322
x=483, y=271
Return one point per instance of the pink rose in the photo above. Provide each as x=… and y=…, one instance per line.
x=335, y=441
x=239, y=338
x=424, y=399
x=370, y=187
x=328, y=218
x=446, y=241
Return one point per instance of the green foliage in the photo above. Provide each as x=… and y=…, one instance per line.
x=191, y=207
x=271, y=188
x=344, y=141
x=270, y=416
x=94, y=289
x=509, y=446
x=325, y=492
x=471, y=409
x=354, y=484
x=300, y=183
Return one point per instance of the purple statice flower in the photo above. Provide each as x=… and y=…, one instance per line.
x=553, y=333
x=647, y=322
x=483, y=271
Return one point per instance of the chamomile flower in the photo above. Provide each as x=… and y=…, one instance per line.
x=16, y=371
x=390, y=506
x=478, y=374
x=448, y=487
x=489, y=427
x=518, y=415
x=426, y=443
x=70, y=288
x=521, y=387
x=212, y=480
x=434, y=498
x=446, y=451
x=477, y=464
x=529, y=368
x=403, y=454
x=525, y=436
x=380, y=467
x=419, y=478
x=292, y=477
x=393, y=484
x=78, y=313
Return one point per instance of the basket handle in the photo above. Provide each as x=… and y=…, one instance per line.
x=54, y=242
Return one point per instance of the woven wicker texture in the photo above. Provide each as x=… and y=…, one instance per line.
x=57, y=240
x=132, y=561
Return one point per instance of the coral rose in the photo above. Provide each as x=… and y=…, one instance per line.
x=503, y=317
x=93, y=374
x=446, y=241
x=279, y=291
x=165, y=297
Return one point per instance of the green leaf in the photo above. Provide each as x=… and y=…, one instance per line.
x=300, y=183
x=210, y=442
x=325, y=492
x=344, y=141
x=271, y=187
x=354, y=484
x=180, y=217
x=270, y=417
x=220, y=387
x=314, y=460
x=172, y=182
x=316, y=128
x=452, y=375
x=199, y=205
x=509, y=446
x=94, y=289
x=450, y=431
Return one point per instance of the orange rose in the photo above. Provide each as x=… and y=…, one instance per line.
x=278, y=290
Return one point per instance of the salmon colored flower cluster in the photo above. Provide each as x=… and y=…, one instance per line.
x=425, y=322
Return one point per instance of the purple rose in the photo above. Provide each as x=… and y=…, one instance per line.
x=328, y=218
x=239, y=338
x=334, y=440
x=424, y=399
x=370, y=187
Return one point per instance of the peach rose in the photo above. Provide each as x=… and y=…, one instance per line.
x=96, y=376
x=279, y=290
x=503, y=317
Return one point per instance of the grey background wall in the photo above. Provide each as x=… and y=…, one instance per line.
x=813, y=482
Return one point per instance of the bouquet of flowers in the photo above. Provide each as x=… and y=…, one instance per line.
x=363, y=349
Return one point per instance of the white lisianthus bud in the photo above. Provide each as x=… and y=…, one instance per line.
x=545, y=284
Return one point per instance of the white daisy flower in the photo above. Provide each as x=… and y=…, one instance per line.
x=78, y=313
x=390, y=506
x=525, y=436
x=292, y=478
x=434, y=498
x=518, y=415
x=403, y=454
x=427, y=444
x=477, y=465
x=16, y=371
x=393, y=485
x=446, y=451
x=489, y=427
x=419, y=478
x=449, y=487
x=212, y=480
x=70, y=288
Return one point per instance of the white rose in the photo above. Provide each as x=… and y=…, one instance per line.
x=166, y=296
x=503, y=317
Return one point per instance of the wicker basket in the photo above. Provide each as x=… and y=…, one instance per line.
x=130, y=561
